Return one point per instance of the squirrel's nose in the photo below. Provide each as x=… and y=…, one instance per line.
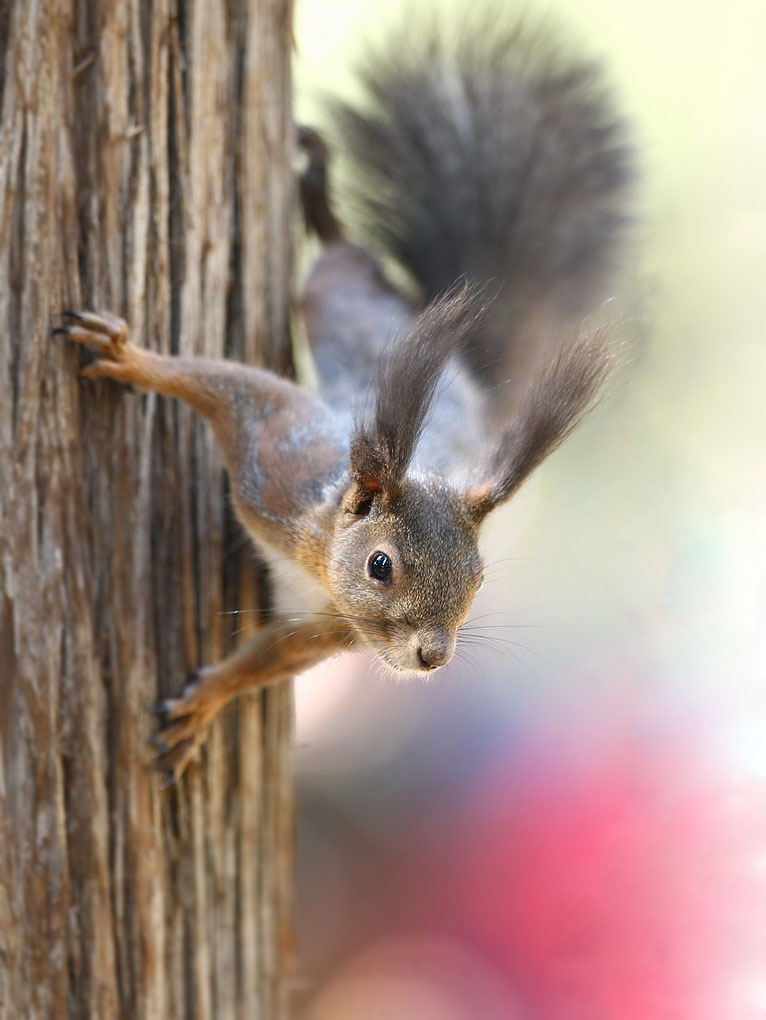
x=426, y=659
x=435, y=652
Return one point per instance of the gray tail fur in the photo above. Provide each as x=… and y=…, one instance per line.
x=488, y=153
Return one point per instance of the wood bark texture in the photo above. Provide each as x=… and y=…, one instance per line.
x=144, y=168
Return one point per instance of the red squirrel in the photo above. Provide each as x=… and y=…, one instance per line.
x=494, y=170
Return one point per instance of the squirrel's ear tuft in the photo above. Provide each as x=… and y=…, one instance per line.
x=383, y=445
x=558, y=398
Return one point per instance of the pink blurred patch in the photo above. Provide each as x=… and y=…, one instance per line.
x=627, y=884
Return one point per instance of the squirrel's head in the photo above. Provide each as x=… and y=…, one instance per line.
x=404, y=564
x=405, y=570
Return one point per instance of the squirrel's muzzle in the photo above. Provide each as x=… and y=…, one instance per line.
x=434, y=648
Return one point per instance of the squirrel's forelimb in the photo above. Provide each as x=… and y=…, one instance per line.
x=279, y=650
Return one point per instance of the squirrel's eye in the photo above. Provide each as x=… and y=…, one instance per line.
x=379, y=566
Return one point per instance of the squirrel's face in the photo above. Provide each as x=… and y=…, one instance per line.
x=406, y=572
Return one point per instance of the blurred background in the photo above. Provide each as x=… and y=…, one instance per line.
x=569, y=823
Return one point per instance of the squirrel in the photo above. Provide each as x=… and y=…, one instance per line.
x=494, y=170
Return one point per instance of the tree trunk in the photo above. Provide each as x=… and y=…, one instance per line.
x=144, y=168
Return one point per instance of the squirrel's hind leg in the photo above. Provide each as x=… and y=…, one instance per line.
x=245, y=405
x=317, y=210
x=206, y=384
x=349, y=307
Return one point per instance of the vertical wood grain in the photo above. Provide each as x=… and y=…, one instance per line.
x=144, y=168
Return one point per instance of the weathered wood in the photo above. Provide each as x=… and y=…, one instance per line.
x=144, y=167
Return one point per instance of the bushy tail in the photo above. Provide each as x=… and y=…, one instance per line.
x=486, y=152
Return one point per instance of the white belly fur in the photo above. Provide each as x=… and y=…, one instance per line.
x=293, y=589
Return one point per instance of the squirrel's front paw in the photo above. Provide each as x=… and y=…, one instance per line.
x=183, y=729
x=107, y=335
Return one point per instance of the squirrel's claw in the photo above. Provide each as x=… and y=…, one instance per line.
x=103, y=332
x=170, y=779
x=183, y=728
x=101, y=323
x=178, y=730
x=107, y=336
x=174, y=761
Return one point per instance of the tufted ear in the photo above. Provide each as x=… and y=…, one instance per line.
x=479, y=501
x=556, y=401
x=358, y=497
x=382, y=446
